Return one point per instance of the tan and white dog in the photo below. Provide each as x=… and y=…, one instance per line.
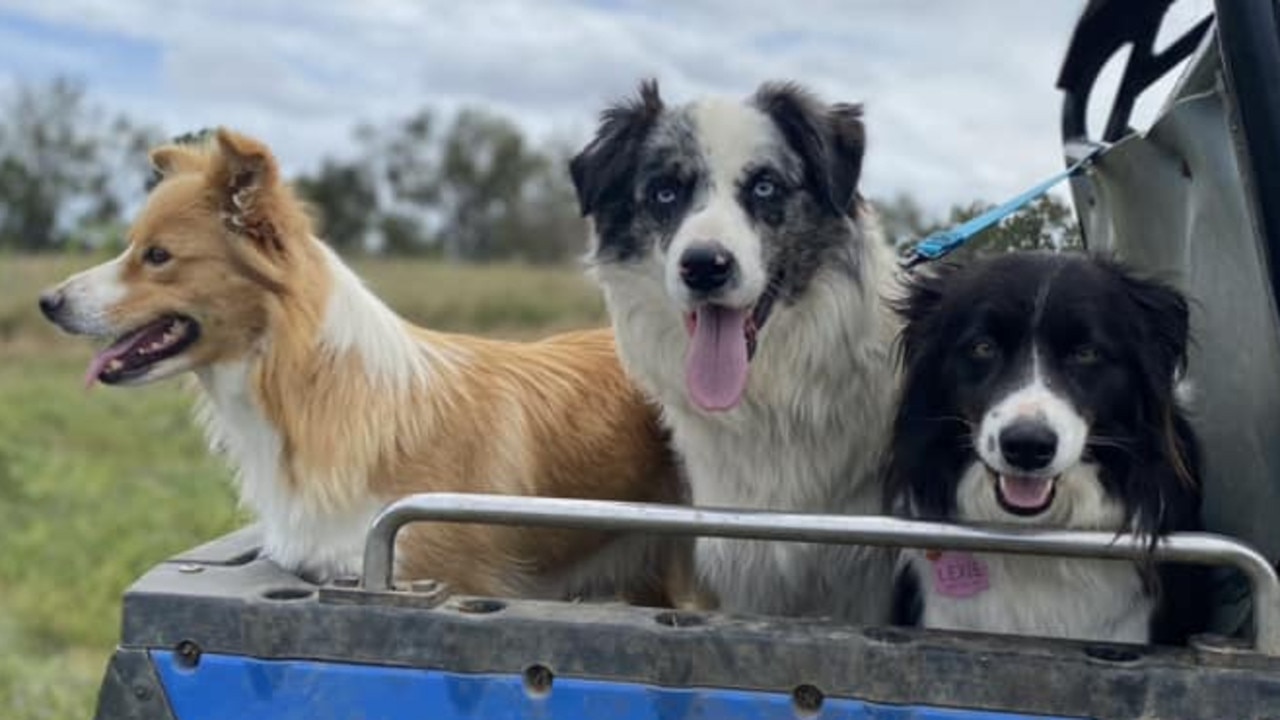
x=329, y=405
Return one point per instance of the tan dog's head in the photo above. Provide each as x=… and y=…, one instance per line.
x=219, y=238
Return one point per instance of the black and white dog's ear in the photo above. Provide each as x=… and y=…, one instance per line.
x=1164, y=315
x=921, y=298
x=1160, y=314
x=830, y=139
x=604, y=169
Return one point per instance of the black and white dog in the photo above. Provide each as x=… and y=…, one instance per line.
x=1039, y=390
x=744, y=276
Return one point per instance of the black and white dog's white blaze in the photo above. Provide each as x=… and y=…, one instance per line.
x=1039, y=389
x=743, y=275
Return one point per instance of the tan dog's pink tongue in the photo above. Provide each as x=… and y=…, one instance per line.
x=96, y=366
x=716, y=366
x=105, y=356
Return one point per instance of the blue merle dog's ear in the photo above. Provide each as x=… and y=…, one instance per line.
x=830, y=140
x=603, y=171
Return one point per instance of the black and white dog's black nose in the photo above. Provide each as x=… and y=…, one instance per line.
x=1028, y=445
x=707, y=267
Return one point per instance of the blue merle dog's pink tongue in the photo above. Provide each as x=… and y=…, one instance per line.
x=716, y=364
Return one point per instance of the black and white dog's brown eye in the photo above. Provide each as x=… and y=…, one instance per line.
x=156, y=255
x=982, y=350
x=1085, y=355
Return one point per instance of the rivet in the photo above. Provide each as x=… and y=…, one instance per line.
x=188, y=654
x=538, y=680
x=807, y=700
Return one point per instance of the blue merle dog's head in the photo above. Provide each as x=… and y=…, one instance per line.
x=726, y=209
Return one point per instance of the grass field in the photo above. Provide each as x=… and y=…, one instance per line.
x=97, y=486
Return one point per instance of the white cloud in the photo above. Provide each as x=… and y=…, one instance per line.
x=960, y=98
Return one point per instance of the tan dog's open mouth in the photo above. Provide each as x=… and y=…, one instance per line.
x=133, y=354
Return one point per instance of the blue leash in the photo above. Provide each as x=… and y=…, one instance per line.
x=944, y=241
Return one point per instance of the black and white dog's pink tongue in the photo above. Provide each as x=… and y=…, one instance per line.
x=1025, y=491
x=716, y=366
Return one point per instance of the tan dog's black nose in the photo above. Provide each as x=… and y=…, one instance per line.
x=51, y=301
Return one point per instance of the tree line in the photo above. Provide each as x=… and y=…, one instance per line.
x=469, y=187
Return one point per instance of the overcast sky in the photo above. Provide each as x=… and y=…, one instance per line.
x=959, y=95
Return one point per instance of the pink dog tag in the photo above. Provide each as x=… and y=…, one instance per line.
x=958, y=574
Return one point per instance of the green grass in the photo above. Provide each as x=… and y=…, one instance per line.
x=98, y=486
x=94, y=489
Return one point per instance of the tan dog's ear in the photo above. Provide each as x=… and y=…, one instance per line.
x=246, y=173
x=169, y=160
x=254, y=203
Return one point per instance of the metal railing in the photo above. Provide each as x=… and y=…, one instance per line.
x=1197, y=548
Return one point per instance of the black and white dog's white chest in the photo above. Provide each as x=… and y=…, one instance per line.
x=1049, y=597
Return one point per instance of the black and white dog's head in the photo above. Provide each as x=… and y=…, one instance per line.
x=1040, y=388
x=717, y=215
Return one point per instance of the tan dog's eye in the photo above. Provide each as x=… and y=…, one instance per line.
x=156, y=255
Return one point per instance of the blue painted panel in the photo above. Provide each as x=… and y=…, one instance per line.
x=224, y=687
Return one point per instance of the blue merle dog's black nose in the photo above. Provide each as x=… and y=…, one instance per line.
x=707, y=267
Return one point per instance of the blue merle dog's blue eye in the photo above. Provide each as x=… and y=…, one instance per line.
x=665, y=193
x=764, y=188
